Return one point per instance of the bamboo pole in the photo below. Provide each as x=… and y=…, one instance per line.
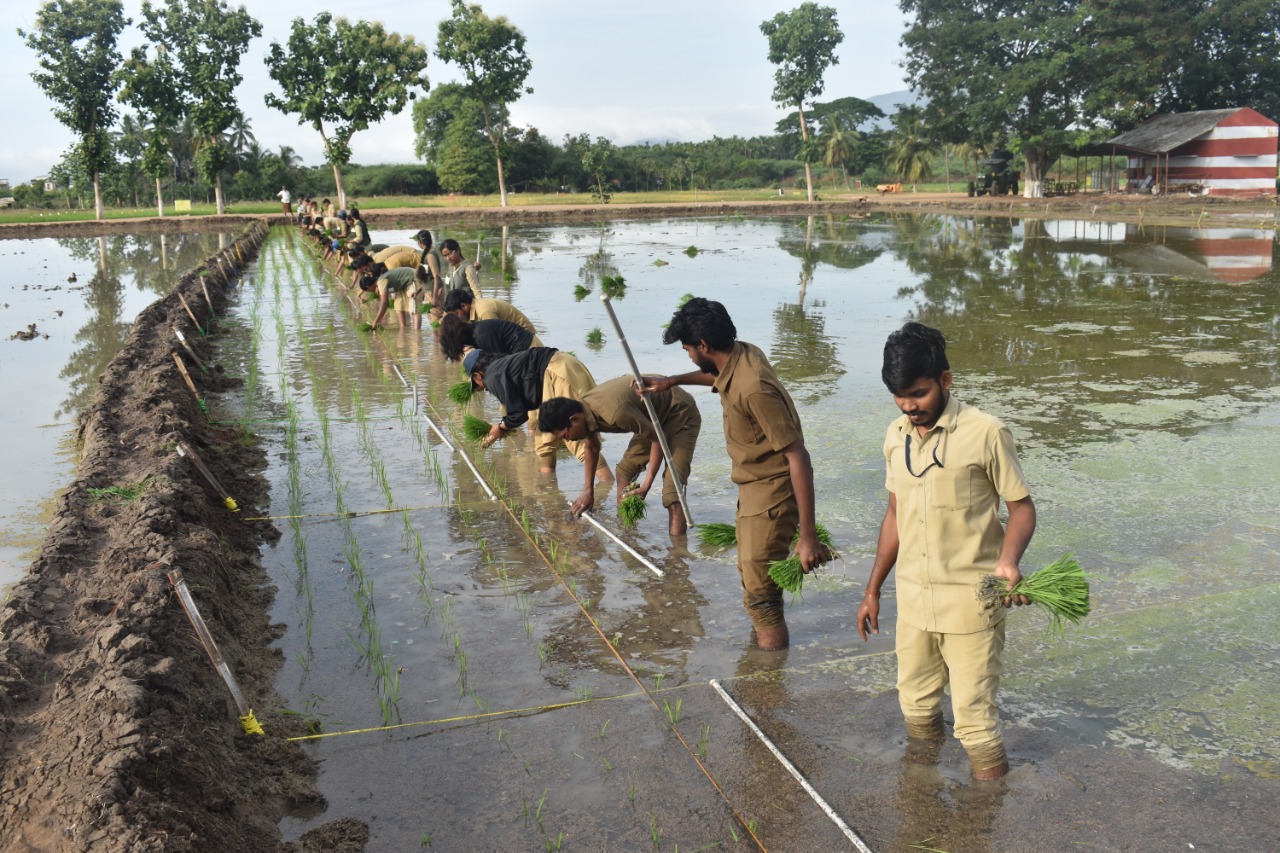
x=227, y=500
x=186, y=377
x=190, y=313
x=648, y=404
x=247, y=720
x=632, y=551
x=186, y=346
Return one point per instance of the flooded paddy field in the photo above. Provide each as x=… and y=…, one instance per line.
x=81, y=294
x=490, y=673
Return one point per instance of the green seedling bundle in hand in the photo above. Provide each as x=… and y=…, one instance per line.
x=461, y=393
x=788, y=573
x=1061, y=588
x=717, y=534
x=366, y=327
x=474, y=428
x=632, y=509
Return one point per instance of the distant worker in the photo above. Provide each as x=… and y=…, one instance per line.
x=286, y=203
x=433, y=261
x=467, y=306
x=614, y=406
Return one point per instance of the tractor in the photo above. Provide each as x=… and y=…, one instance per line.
x=995, y=177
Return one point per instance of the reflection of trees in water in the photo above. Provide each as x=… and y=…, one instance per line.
x=1072, y=324
x=802, y=351
x=599, y=263
x=836, y=242
x=153, y=262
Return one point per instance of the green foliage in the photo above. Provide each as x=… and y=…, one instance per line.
x=692, y=251
x=117, y=494
x=580, y=292
x=461, y=392
x=341, y=77
x=597, y=160
x=474, y=428
x=1060, y=588
x=491, y=54
x=631, y=510
x=717, y=534
x=613, y=286
x=595, y=338
x=75, y=41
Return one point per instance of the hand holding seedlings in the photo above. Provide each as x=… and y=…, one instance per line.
x=494, y=434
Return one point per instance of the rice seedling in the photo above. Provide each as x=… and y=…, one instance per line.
x=717, y=534
x=365, y=327
x=631, y=788
x=475, y=429
x=603, y=729
x=692, y=251
x=631, y=510
x=659, y=262
x=1060, y=588
x=703, y=740
x=542, y=801
x=654, y=832
x=673, y=710
x=683, y=299
x=555, y=845
x=580, y=292
x=615, y=287
x=117, y=494
x=595, y=338
x=461, y=393
x=426, y=840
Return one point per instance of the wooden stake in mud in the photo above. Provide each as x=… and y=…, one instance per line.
x=247, y=721
x=648, y=404
x=186, y=377
x=191, y=314
x=186, y=346
x=205, y=288
x=227, y=500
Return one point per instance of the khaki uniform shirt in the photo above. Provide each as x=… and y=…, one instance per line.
x=949, y=531
x=380, y=257
x=403, y=259
x=613, y=406
x=760, y=421
x=484, y=308
x=462, y=277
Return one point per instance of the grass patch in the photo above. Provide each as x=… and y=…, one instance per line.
x=117, y=494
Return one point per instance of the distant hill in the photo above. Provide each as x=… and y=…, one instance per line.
x=888, y=104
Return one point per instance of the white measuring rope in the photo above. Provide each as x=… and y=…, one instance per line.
x=632, y=551
x=791, y=768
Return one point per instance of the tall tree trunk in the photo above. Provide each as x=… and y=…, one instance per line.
x=159, y=199
x=804, y=151
x=337, y=183
x=219, y=205
x=502, y=181
x=1037, y=161
x=99, y=209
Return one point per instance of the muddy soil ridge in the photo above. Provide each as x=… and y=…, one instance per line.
x=116, y=731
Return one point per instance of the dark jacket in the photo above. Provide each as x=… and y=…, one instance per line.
x=516, y=380
x=500, y=336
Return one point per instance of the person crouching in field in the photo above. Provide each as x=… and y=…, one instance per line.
x=766, y=446
x=499, y=337
x=947, y=467
x=521, y=381
x=467, y=306
x=401, y=285
x=614, y=406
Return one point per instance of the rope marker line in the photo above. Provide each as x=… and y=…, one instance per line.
x=791, y=768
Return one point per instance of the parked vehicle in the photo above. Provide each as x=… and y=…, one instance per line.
x=995, y=177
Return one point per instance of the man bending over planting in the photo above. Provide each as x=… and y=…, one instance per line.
x=766, y=445
x=521, y=381
x=467, y=306
x=947, y=467
x=457, y=337
x=614, y=407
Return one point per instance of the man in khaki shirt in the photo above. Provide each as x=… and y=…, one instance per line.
x=766, y=445
x=613, y=406
x=948, y=466
x=467, y=306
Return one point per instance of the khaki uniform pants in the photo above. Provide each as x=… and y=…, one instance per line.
x=681, y=443
x=762, y=539
x=971, y=664
x=565, y=376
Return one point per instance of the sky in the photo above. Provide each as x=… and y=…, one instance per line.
x=682, y=70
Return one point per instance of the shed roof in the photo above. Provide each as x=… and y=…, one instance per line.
x=1162, y=134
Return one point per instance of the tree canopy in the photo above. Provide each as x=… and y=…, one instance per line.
x=76, y=42
x=490, y=52
x=802, y=43
x=205, y=40
x=341, y=77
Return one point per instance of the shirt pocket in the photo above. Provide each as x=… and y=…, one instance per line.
x=950, y=489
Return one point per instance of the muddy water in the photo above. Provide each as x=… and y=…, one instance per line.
x=472, y=657
x=82, y=294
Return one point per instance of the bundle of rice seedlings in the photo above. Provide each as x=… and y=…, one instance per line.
x=717, y=534
x=461, y=393
x=615, y=287
x=1061, y=588
x=366, y=327
x=631, y=510
x=789, y=574
x=475, y=429
x=581, y=292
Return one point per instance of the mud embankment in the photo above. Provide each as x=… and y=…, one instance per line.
x=116, y=731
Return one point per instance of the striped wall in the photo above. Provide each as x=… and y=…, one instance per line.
x=1236, y=158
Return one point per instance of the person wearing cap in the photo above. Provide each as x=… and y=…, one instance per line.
x=460, y=274
x=521, y=381
x=458, y=337
x=400, y=285
x=614, y=406
x=467, y=306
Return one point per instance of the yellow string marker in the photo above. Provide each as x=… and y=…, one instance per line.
x=230, y=503
x=250, y=724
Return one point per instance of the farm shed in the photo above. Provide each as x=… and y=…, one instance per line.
x=1228, y=152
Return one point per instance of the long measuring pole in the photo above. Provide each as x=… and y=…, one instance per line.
x=648, y=404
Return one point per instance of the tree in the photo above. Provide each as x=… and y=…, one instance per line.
x=346, y=76
x=911, y=149
x=205, y=40
x=150, y=85
x=76, y=43
x=490, y=52
x=802, y=43
x=597, y=157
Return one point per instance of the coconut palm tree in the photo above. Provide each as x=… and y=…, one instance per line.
x=838, y=147
x=239, y=135
x=911, y=148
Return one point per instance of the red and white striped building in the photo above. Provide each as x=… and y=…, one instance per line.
x=1213, y=152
